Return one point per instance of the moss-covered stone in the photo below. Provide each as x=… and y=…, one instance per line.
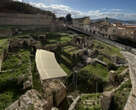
x=16, y=65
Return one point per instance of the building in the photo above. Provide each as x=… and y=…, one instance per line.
x=82, y=23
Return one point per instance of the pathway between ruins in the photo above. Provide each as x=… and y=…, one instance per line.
x=131, y=102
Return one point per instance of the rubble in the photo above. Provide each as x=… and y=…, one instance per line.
x=55, y=91
x=31, y=100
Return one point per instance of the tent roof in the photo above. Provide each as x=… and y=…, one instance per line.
x=47, y=65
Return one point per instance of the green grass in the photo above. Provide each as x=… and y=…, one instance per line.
x=70, y=50
x=90, y=96
x=106, y=60
x=120, y=69
x=65, y=68
x=36, y=78
x=3, y=44
x=15, y=65
x=121, y=95
x=107, y=49
x=7, y=97
x=54, y=38
x=98, y=69
x=67, y=60
x=93, y=97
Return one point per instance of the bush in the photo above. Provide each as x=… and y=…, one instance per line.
x=111, y=66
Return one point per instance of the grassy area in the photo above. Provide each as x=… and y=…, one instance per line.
x=98, y=69
x=3, y=44
x=14, y=66
x=121, y=96
x=90, y=102
x=64, y=62
x=106, y=60
x=107, y=49
x=8, y=97
x=70, y=50
x=36, y=78
x=67, y=60
x=65, y=68
x=120, y=69
x=54, y=38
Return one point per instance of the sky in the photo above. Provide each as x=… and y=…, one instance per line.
x=95, y=9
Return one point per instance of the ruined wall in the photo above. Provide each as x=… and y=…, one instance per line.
x=31, y=21
x=5, y=32
x=25, y=19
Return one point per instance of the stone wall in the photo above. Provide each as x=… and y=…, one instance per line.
x=31, y=100
x=5, y=32
x=29, y=21
x=25, y=19
x=1, y=59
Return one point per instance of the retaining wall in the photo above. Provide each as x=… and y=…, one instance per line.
x=25, y=19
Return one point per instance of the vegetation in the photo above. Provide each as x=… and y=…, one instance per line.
x=65, y=68
x=120, y=69
x=87, y=83
x=64, y=61
x=15, y=66
x=107, y=49
x=36, y=78
x=71, y=50
x=90, y=78
x=90, y=102
x=54, y=38
x=121, y=95
x=24, y=8
x=98, y=70
x=68, y=18
x=3, y=45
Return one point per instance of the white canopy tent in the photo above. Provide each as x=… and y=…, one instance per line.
x=47, y=65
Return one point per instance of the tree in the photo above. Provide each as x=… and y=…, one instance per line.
x=106, y=19
x=62, y=19
x=69, y=18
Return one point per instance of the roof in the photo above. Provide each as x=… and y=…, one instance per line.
x=47, y=65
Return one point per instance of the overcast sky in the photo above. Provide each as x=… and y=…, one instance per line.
x=119, y=9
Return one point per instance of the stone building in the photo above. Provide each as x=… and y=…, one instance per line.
x=114, y=31
x=82, y=23
x=122, y=31
x=100, y=27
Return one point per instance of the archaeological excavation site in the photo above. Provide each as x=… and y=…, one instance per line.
x=51, y=62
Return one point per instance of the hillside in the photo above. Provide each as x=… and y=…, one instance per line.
x=112, y=20
x=19, y=7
